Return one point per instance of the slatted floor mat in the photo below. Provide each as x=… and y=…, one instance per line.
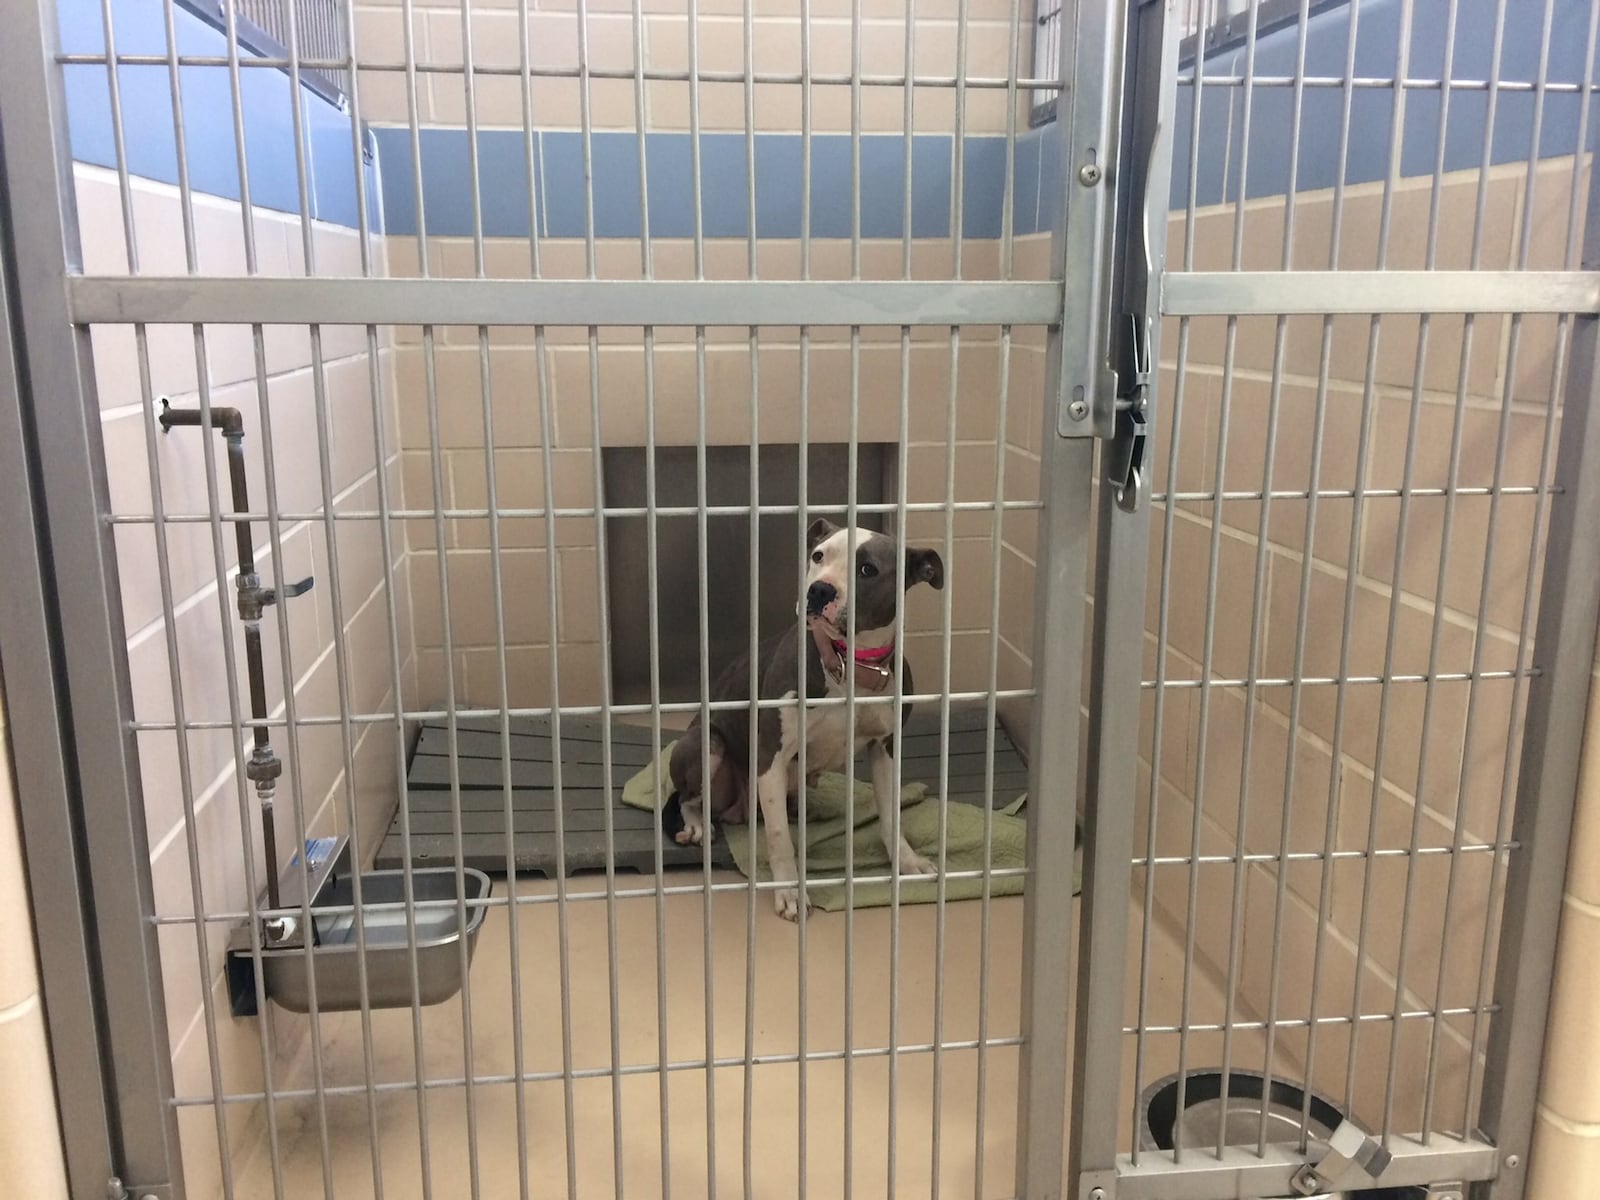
x=480, y=774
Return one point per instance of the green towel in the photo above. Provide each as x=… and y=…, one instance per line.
x=919, y=821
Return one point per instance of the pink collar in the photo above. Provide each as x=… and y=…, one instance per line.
x=873, y=674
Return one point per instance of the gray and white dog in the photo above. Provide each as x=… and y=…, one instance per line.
x=869, y=583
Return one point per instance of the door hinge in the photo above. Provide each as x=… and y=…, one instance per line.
x=1124, y=471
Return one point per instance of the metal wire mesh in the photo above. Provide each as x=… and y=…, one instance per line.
x=538, y=232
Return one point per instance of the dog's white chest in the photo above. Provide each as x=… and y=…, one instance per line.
x=827, y=745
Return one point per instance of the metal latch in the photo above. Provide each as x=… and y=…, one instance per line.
x=254, y=597
x=1124, y=462
x=1351, y=1155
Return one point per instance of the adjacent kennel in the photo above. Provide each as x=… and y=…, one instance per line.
x=1238, y=360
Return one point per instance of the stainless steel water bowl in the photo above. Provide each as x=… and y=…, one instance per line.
x=336, y=950
x=1239, y=1122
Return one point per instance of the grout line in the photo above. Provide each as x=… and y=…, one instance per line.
x=1583, y=1129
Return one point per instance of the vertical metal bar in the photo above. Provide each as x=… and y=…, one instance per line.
x=545, y=400
x=1314, y=485
x=941, y=886
x=1218, y=520
x=274, y=530
x=653, y=591
x=959, y=146
x=855, y=243
x=470, y=98
x=902, y=439
x=704, y=586
x=531, y=143
x=640, y=125
x=586, y=137
x=1547, y=784
x=1335, y=770
x=908, y=125
x=43, y=769
x=703, y=581
x=1087, y=113
x=1164, y=609
x=408, y=37
x=447, y=636
x=1147, y=67
x=851, y=498
x=805, y=273
x=1158, y=719
x=753, y=681
x=986, y=912
x=399, y=739
x=802, y=1034
x=1282, y=865
x=508, y=811
x=1396, y=132
x=612, y=948
x=336, y=596
x=208, y=452
x=1008, y=205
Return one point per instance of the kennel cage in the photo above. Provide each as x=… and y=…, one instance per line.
x=1250, y=362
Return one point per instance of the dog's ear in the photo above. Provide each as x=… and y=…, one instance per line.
x=820, y=528
x=924, y=566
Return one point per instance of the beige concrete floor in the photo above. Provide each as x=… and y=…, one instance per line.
x=454, y=1143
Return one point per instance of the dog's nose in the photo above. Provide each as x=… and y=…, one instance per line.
x=818, y=596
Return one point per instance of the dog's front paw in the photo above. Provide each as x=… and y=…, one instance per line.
x=788, y=902
x=912, y=863
x=693, y=832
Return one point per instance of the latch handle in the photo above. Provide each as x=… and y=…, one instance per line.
x=1124, y=470
x=1353, y=1159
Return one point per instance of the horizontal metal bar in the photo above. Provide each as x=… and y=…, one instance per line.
x=465, y=712
x=460, y=1081
x=1183, y=860
x=820, y=78
x=649, y=74
x=198, y=300
x=1387, y=83
x=486, y=902
x=1380, y=1018
x=1330, y=680
x=506, y=514
x=1349, y=493
x=1244, y=1172
x=1323, y=293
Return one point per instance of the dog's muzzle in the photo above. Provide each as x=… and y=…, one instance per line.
x=818, y=596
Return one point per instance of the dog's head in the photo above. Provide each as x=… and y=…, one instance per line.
x=869, y=582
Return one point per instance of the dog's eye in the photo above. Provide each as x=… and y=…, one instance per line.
x=868, y=570
x=816, y=556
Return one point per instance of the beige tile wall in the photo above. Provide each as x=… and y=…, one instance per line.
x=1388, y=791
x=208, y=852
x=612, y=44
x=30, y=1133
x=516, y=384
x=1566, y=1139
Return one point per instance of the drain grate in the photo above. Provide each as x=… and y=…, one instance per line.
x=480, y=769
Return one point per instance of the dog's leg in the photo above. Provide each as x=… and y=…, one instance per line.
x=907, y=861
x=772, y=788
x=703, y=800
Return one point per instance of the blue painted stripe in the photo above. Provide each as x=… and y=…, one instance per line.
x=1377, y=48
x=147, y=121
x=447, y=193
x=1038, y=176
